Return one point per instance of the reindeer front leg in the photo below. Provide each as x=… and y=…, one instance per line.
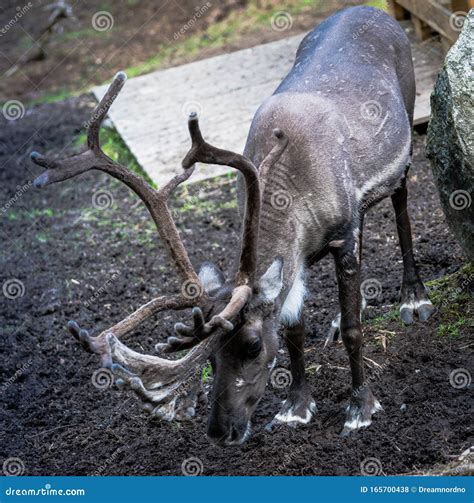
x=363, y=403
x=299, y=406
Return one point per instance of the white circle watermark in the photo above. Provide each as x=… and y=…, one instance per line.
x=281, y=199
x=281, y=378
x=191, y=107
x=13, y=467
x=371, y=467
x=13, y=288
x=191, y=290
x=102, y=378
x=102, y=199
x=281, y=21
x=460, y=200
x=102, y=21
x=457, y=20
x=192, y=467
x=460, y=378
x=13, y=110
x=371, y=288
x=371, y=111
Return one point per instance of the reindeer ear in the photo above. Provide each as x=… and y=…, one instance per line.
x=271, y=282
x=211, y=277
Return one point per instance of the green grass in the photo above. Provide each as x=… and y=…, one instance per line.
x=113, y=146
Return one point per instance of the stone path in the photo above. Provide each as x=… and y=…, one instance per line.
x=151, y=111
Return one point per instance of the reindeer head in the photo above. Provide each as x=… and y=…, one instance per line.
x=243, y=355
x=234, y=322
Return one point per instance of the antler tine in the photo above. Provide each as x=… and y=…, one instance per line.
x=204, y=152
x=102, y=109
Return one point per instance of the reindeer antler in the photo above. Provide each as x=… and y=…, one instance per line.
x=160, y=382
x=255, y=180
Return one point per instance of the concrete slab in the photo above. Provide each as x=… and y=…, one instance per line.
x=151, y=111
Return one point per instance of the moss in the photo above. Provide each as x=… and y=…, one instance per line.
x=452, y=296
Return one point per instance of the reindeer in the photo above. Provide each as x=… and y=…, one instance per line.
x=332, y=141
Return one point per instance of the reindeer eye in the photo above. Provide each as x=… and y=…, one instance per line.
x=254, y=347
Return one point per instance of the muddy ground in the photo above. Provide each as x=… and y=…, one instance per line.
x=76, y=259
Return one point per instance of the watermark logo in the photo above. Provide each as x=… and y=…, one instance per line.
x=460, y=200
x=192, y=467
x=371, y=111
x=371, y=467
x=102, y=378
x=13, y=467
x=281, y=378
x=191, y=107
x=13, y=288
x=102, y=21
x=102, y=199
x=371, y=288
x=281, y=199
x=457, y=20
x=460, y=378
x=281, y=21
x=191, y=290
x=13, y=110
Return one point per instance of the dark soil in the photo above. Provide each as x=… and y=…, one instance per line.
x=64, y=250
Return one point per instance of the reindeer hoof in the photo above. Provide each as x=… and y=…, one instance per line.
x=359, y=412
x=294, y=412
x=415, y=301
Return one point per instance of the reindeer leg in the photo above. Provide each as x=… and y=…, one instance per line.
x=363, y=403
x=300, y=406
x=335, y=328
x=413, y=293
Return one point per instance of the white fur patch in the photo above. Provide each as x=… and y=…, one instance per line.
x=356, y=422
x=209, y=278
x=290, y=417
x=291, y=310
x=415, y=304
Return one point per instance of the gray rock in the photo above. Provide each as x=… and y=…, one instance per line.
x=450, y=144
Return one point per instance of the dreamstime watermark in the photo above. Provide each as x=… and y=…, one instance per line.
x=102, y=199
x=109, y=461
x=20, y=191
x=460, y=200
x=281, y=199
x=199, y=12
x=102, y=21
x=460, y=378
x=457, y=20
x=13, y=289
x=16, y=376
x=281, y=21
x=371, y=467
x=371, y=110
x=102, y=289
x=371, y=288
x=191, y=289
x=192, y=467
x=463, y=285
x=13, y=110
x=13, y=467
x=281, y=378
x=368, y=24
x=191, y=107
x=102, y=378
x=20, y=12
